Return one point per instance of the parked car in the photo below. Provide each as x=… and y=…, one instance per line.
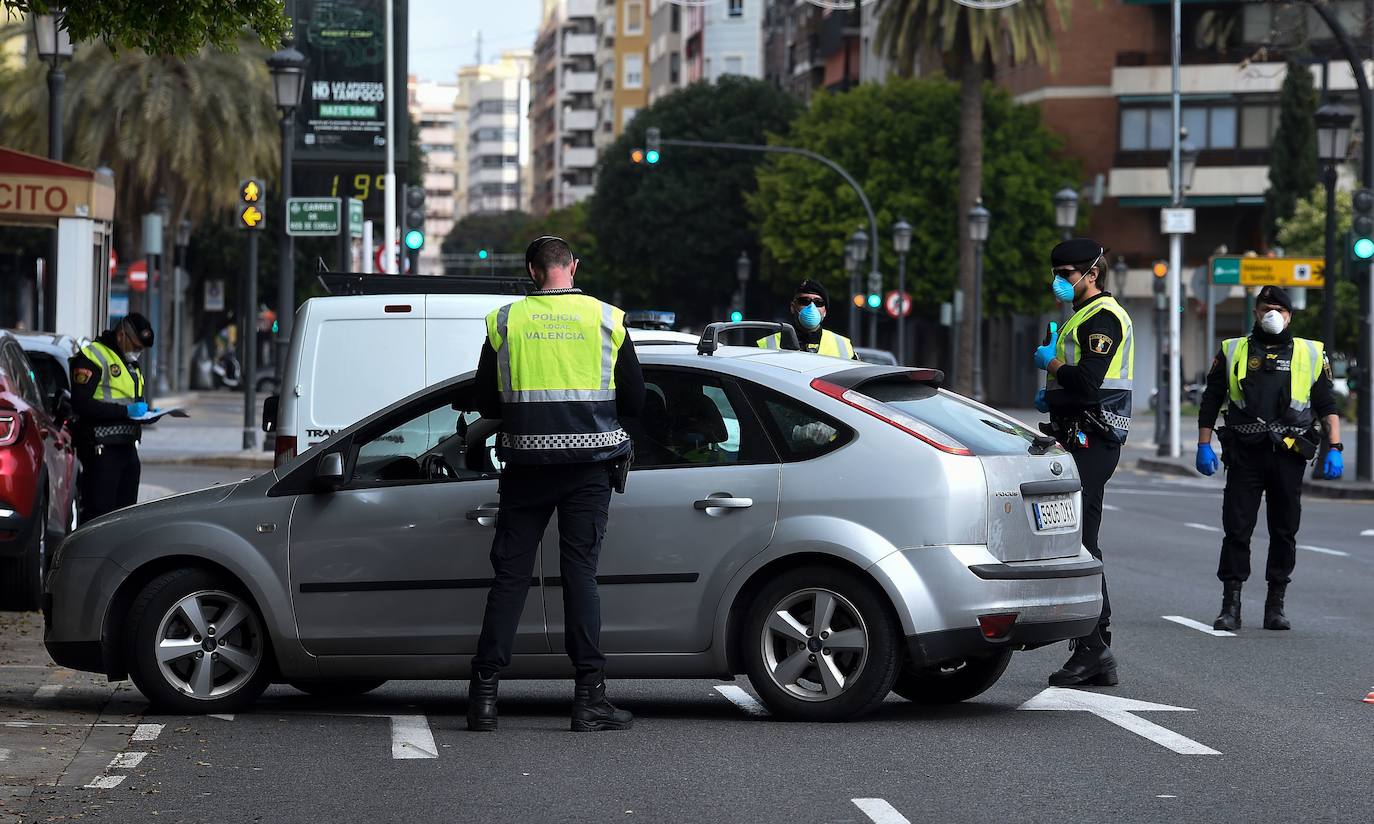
x=863, y=531
x=879, y=356
x=38, y=465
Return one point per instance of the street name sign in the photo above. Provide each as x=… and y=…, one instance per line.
x=1177, y=221
x=1263, y=271
x=313, y=216
x=355, y=217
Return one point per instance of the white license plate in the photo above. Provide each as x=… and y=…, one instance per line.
x=1054, y=515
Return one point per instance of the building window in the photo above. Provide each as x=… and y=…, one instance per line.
x=634, y=71
x=675, y=21
x=627, y=114
x=1212, y=126
x=734, y=64
x=1257, y=126
x=634, y=19
x=675, y=67
x=736, y=8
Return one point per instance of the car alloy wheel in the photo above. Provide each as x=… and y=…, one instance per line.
x=814, y=644
x=209, y=644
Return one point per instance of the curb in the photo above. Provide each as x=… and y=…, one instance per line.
x=264, y=462
x=1340, y=490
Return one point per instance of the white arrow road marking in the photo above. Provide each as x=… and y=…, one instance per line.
x=1204, y=527
x=1118, y=711
x=411, y=737
x=743, y=700
x=880, y=811
x=1199, y=626
x=1323, y=550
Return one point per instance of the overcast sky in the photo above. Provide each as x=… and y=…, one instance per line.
x=443, y=33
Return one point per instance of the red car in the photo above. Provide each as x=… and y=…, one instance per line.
x=38, y=465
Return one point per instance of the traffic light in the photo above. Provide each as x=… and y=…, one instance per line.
x=736, y=316
x=1160, y=268
x=651, y=153
x=875, y=300
x=413, y=222
x=637, y=157
x=860, y=300
x=1362, y=224
x=482, y=254
x=252, y=196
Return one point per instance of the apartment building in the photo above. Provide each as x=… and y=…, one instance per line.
x=665, y=49
x=628, y=66
x=723, y=38
x=496, y=134
x=434, y=107
x=807, y=48
x=563, y=116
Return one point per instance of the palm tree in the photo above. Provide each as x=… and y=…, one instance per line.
x=970, y=42
x=191, y=128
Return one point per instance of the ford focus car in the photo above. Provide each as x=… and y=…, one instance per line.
x=835, y=531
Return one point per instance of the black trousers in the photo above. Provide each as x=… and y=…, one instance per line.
x=1096, y=464
x=109, y=479
x=1252, y=471
x=581, y=493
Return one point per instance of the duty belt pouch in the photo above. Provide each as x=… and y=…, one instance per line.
x=620, y=471
x=1306, y=444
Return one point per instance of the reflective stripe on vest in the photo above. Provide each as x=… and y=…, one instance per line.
x=1303, y=367
x=123, y=388
x=831, y=344
x=555, y=363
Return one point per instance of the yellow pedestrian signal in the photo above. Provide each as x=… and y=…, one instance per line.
x=250, y=212
x=250, y=191
x=251, y=217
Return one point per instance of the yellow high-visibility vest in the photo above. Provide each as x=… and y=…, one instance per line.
x=836, y=346
x=1304, y=371
x=1114, y=395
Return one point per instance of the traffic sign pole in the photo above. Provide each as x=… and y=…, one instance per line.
x=248, y=327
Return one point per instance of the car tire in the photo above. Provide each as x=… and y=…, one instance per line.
x=21, y=577
x=171, y=636
x=338, y=687
x=953, y=682
x=785, y=647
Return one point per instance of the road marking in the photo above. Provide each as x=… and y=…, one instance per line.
x=1199, y=626
x=1164, y=492
x=1110, y=508
x=127, y=760
x=1323, y=550
x=106, y=782
x=743, y=700
x=1118, y=711
x=1368, y=533
x=46, y=692
x=411, y=737
x=223, y=716
x=146, y=732
x=1204, y=527
x=4, y=754
x=880, y=811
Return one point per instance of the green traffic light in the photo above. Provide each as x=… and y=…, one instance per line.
x=651, y=156
x=874, y=301
x=414, y=239
x=1364, y=248
x=481, y=254
x=736, y=316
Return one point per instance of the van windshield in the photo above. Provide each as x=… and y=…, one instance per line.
x=983, y=430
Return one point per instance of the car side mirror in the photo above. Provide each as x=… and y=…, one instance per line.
x=329, y=472
x=269, y=413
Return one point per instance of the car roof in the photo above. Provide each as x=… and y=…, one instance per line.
x=749, y=359
x=51, y=343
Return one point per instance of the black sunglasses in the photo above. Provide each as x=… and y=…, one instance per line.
x=819, y=302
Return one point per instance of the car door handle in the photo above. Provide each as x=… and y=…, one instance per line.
x=723, y=503
x=484, y=515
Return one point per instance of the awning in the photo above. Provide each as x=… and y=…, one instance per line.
x=1198, y=202
x=35, y=191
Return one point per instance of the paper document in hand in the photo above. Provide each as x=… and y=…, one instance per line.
x=155, y=415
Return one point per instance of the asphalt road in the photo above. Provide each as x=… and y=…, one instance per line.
x=1274, y=729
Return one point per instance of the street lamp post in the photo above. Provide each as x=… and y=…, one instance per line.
x=857, y=252
x=1181, y=169
x=978, y=219
x=901, y=241
x=178, y=301
x=1333, y=144
x=742, y=275
x=54, y=46
x=288, y=81
x=1066, y=211
x=157, y=288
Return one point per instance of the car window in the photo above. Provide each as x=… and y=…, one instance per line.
x=444, y=440
x=983, y=430
x=800, y=431
x=694, y=419
x=22, y=376
x=51, y=375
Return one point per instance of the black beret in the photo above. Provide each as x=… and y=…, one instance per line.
x=142, y=327
x=811, y=287
x=1077, y=251
x=1275, y=296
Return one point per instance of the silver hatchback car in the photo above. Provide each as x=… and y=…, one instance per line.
x=834, y=530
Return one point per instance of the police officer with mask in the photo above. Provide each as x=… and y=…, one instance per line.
x=808, y=313
x=107, y=393
x=1275, y=388
x=1089, y=365
x=558, y=369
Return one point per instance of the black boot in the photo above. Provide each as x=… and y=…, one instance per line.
x=482, y=702
x=591, y=712
x=1092, y=664
x=1229, y=619
x=1273, y=608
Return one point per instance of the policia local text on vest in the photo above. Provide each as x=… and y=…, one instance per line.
x=1276, y=389
x=107, y=391
x=559, y=370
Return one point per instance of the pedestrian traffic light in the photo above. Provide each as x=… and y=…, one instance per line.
x=1362, y=224
x=651, y=153
x=413, y=223
x=252, y=194
x=1160, y=268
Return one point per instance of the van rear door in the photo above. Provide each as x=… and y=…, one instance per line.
x=455, y=328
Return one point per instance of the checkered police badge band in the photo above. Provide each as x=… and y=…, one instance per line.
x=596, y=440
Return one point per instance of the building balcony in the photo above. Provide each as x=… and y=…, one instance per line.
x=576, y=194
x=1223, y=78
x=579, y=83
x=577, y=44
x=508, y=174
x=579, y=120
x=579, y=157
x=1212, y=185
x=580, y=8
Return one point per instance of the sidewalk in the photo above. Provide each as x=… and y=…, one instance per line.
x=211, y=436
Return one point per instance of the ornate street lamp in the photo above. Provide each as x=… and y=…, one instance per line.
x=288, y=82
x=901, y=241
x=1066, y=211
x=979, y=219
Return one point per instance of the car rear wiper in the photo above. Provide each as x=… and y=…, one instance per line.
x=1042, y=444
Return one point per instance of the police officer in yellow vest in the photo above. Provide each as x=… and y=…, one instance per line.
x=558, y=369
x=107, y=391
x=1275, y=388
x=808, y=312
x=1089, y=366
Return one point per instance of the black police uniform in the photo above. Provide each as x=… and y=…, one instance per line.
x=106, y=440
x=1259, y=463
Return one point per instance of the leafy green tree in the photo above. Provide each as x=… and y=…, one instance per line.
x=181, y=28
x=669, y=235
x=900, y=141
x=1293, y=157
x=499, y=232
x=971, y=42
x=1304, y=234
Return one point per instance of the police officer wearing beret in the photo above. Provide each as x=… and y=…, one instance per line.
x=559, y=370
x=107, y=393
x=808, y=310
x=1275, y=388
x=1089, y=365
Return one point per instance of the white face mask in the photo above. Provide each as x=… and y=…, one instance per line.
x=1272, y=322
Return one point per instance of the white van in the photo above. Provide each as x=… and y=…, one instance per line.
x=352, y=355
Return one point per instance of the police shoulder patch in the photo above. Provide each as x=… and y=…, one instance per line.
x=115, y=371
x=1099, y=343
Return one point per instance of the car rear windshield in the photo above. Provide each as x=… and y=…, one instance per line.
x=982, y=430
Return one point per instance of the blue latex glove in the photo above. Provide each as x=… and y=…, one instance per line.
x=1207, y=461
x=1041, y=405
x=1044, y=354
x=1334, y=466
x=137, y=409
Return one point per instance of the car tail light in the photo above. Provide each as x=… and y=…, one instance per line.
x=996, y=626
x=286, y=449
x=11, y=427
x=892, y=416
